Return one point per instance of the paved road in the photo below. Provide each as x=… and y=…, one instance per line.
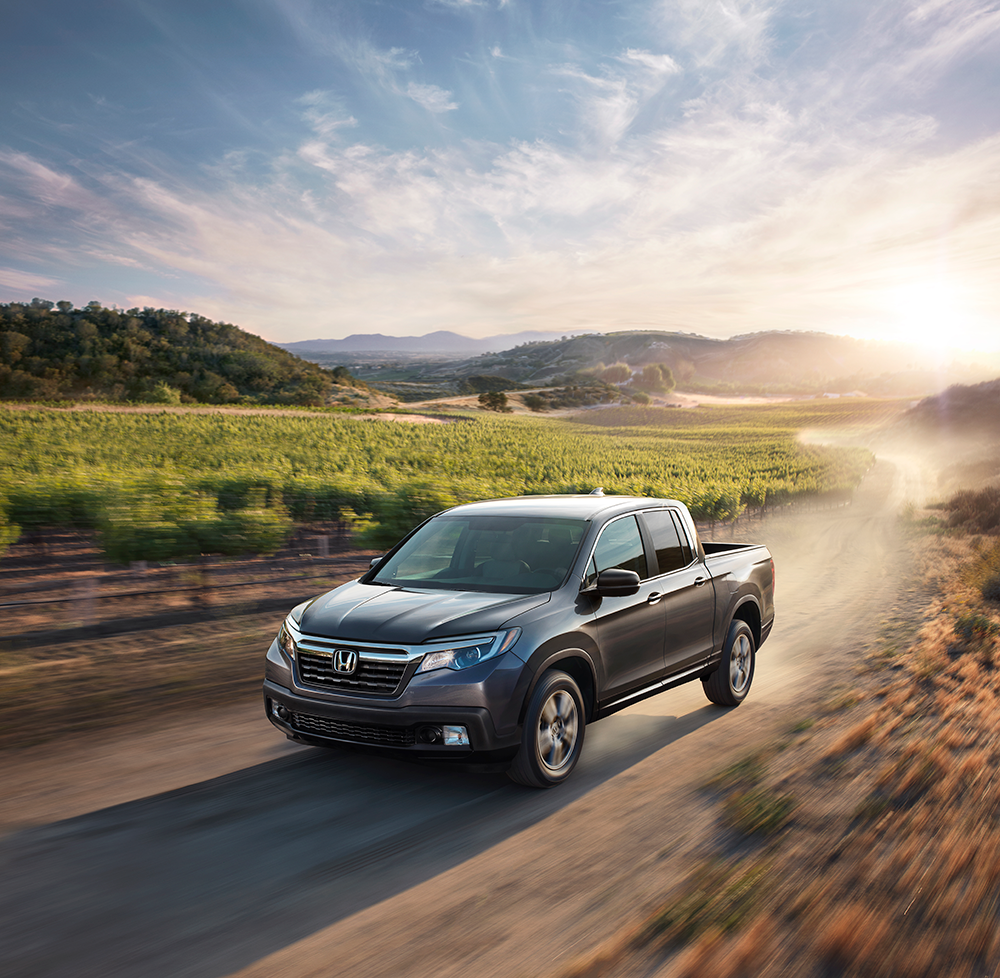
x=166, y=853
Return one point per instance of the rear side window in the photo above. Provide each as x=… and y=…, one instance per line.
x=671, y=548
x=685, y=540
x=620, y=545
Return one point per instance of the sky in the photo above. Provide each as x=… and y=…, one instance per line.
x=316, y=168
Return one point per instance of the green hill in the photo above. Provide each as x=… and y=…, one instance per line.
x=52, y=351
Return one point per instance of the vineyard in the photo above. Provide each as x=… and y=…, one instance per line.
x=166, y=486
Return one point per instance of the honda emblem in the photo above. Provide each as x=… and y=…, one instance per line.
x=345, y=661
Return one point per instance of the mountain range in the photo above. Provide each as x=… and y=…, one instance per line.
x=773, y=362
x=440, y=341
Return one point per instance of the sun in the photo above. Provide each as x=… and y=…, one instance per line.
x=928, y=314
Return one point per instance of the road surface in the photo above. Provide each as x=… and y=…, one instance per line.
x=208, y=846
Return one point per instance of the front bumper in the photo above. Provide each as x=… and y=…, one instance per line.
x=316, y=721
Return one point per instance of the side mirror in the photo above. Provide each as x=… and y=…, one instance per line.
x=616, y=583
x=376, y=560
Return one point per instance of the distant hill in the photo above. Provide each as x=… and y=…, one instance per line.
x=50, y=351
x=957, y=432
x=770, y=362
x=441, y=341
x=966, y=410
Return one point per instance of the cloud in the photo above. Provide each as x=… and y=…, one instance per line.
x=660, y=64
x=459, y=4
x=325, y=113
x=431, y=97
x=730, y=32
x=22, y=282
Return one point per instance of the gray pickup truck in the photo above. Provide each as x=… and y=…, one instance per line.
x=496, y=631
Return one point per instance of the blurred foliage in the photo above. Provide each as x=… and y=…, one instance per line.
x=400, y=511
x=226, y=484
x=53, y=351
x=9, y=532
x=174, y=523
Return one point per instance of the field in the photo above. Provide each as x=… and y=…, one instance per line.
x=167, y=486
x=93, y=492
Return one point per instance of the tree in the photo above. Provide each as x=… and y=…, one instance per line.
x=494, y=401
x=617, y=373
x=656, y=377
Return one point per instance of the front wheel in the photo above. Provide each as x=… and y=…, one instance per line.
x=730, y=683
x=552, y=737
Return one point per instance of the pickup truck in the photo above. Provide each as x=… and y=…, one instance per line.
x=496, y=631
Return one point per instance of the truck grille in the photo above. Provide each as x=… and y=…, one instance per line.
x=354, y=732
x=371, y=676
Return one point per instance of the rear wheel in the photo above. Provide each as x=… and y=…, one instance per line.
x=730, y=683
x=552, y=737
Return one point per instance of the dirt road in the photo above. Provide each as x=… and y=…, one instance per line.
x=211, y=847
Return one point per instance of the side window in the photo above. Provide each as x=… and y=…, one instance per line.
x=620, y=545
x=671, y=554
x=685, y=542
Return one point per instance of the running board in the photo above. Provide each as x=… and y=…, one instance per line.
x=659, y=686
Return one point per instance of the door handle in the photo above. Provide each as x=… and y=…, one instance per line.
x=700, y=581
x=653, y=598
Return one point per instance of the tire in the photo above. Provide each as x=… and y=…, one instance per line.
x=552, y=737
x=730, y=683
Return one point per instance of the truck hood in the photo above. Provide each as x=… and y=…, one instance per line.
x=398, y=616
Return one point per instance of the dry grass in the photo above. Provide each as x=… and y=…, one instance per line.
x=889, y=866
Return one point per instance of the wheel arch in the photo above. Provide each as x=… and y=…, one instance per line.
x=749, y=612
x=576, y=662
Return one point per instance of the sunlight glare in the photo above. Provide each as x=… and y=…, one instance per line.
x=929, y=314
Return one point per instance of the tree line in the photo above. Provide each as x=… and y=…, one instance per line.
x=54, y=351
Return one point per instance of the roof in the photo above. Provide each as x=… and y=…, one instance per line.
x=580, y=507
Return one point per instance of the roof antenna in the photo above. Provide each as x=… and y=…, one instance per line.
x=599, y=491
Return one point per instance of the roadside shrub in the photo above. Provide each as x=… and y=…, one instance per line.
x=975, y=510
x=974, y=627
x=758, y=811
x=991, y=588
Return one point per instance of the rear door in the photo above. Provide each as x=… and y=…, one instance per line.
x=687, y=594
x=630, y=629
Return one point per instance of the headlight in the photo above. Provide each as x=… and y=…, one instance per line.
x=287, y=638
x=465, y=653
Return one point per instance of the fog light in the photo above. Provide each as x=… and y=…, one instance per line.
x=279, y=711
x=429, y=735
x=456, y=737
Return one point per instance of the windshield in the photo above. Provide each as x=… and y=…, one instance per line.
x=504, y=554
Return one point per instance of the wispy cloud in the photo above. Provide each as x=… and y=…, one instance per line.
x=431, y=97
x=25, y=282
x=325, y=113
x=660, y=64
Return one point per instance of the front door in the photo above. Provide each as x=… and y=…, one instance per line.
x=630, y=629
